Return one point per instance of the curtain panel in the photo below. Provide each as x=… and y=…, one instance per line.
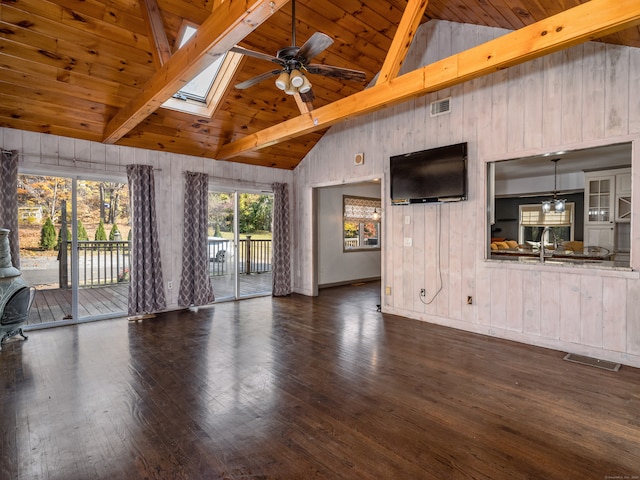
x=9, y=201
x=361, y=209
x=281, y=248
x=146, y=286
x=195, y=282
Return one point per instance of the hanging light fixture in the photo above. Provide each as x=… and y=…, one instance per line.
x=559, y=205
x=306, y=85
x=290, y=89
x=296, y=78
x=293, y=82
x=282, y=82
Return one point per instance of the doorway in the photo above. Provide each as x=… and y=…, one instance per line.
x=335, y=262
x=239, y=243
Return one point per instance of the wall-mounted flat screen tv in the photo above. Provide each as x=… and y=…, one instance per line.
x=435, y=175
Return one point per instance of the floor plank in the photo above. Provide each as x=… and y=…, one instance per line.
x=301, y=388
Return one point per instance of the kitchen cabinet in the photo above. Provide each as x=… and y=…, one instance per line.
x=623, y=197
x=607, y=200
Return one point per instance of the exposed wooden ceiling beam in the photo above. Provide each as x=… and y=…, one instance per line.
x=585, y=22
x=402, y=40
x=161, y=49
x=230, y=23
x=304, y=107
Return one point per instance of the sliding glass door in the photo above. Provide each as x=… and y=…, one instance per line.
x=44, y=212
x=102, y=248
x=74, y=247
x=239, y=245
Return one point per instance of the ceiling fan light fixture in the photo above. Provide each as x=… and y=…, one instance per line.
x=282, y=82
x=306, y=85
x=296, y=78
x=290, y=90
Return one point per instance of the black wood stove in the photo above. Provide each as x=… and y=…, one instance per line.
x=16, y=296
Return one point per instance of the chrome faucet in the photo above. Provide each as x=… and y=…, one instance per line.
x=555, y=241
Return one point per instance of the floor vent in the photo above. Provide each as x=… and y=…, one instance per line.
x=592, y=362
x=440, y=107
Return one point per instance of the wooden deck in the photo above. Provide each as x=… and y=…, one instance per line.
x=54, y=304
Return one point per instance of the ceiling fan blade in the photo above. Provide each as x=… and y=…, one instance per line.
x=317, y=43
x=337, y=72
x=255, y=80
x=307, y=97
x=261, y=56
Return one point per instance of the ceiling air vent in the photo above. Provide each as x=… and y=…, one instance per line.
x=440, y=107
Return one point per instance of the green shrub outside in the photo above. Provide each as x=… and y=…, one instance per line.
x=82, y=232
x=48, y=235
x=100, y=232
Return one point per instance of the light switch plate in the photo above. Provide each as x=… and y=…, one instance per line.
x=407, y=241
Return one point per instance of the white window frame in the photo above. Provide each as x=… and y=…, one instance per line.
x=366, y=212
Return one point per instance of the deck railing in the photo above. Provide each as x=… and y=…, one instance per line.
x=107, y=262
x=101, y=262
x=254, y=256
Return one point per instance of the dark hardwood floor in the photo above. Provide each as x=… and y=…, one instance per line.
x=302, y=388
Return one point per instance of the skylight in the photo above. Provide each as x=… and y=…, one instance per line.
x=200, y=95
x=198, y=88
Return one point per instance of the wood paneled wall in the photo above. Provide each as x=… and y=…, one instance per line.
x=585, y=96
x=53, y=155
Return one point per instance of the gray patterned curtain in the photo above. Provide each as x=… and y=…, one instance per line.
x=146, y=286
x=281, y=261
x=9, y=201
x=195, y=284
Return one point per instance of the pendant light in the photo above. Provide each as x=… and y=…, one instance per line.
x=559, y=205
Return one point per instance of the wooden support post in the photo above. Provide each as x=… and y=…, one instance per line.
x=63, y=271
x=248, y=259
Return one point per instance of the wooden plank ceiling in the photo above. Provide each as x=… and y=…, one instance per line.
x=93, y=69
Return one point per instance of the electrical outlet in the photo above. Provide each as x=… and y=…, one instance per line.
x=469, y=300
x=387, y=290
x=423, y=292
x=170, y=285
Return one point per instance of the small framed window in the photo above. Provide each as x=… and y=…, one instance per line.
x=533, y=222
x=361, y=223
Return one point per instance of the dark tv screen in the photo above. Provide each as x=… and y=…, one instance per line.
x=435, y=175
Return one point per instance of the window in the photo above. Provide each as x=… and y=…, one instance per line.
x=361, y=223
x=595, y=229
x=201, y=95
x=533, y=221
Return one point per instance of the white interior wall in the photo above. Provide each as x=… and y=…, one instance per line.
x=582, y=97
x=335, y=265
x=542, y=184
x=54, y=155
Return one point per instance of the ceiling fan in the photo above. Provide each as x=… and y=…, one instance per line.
x=294, y=62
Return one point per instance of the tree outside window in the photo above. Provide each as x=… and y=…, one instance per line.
x=361, y=223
